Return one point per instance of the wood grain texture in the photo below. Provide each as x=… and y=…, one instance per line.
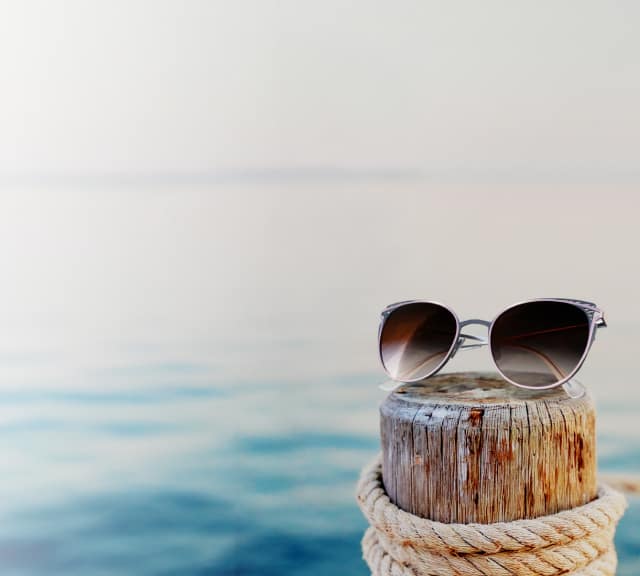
x=473, y=448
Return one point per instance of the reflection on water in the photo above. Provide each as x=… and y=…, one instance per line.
x=154, y=469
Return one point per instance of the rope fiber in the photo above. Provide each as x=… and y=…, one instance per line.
x=576, y=542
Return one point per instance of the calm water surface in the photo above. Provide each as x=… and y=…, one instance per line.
x=165, y=467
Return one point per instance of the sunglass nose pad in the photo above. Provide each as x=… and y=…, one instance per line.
x=475, y=341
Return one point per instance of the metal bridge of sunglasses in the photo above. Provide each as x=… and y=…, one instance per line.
x=462, y=338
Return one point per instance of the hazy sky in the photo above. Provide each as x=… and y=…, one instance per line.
x=190, y=173
x=456, y=89
x=192, y=268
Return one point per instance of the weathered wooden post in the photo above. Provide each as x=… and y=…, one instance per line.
x=471, y=448
x=480, y=478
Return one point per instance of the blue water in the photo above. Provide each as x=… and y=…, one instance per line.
x=178, y=468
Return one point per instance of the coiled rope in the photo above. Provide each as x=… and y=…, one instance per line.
x=576, y=542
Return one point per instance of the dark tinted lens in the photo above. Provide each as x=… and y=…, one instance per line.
x=539, y=343
x=415, y=339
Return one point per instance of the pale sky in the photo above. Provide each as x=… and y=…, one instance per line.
x=452, y=89
x=186, y=174
x=192, y=268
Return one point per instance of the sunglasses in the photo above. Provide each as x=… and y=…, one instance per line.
x=537, y=344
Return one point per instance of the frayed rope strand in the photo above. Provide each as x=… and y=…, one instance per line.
x=622, y=482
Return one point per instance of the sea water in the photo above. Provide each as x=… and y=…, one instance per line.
x=157, y=467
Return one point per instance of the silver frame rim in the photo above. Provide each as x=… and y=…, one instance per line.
x=583, y=306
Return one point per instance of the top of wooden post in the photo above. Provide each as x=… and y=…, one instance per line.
x=470, y=447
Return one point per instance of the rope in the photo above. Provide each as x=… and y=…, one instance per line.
x=576, y=542
x=622, y=482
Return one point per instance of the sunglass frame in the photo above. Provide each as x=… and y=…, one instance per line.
x=594, y=314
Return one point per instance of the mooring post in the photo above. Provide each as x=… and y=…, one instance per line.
x=472, y=448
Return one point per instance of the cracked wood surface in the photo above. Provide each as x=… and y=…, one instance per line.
x=470, y=447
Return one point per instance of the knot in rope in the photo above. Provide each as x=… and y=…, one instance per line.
x=577, y=542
